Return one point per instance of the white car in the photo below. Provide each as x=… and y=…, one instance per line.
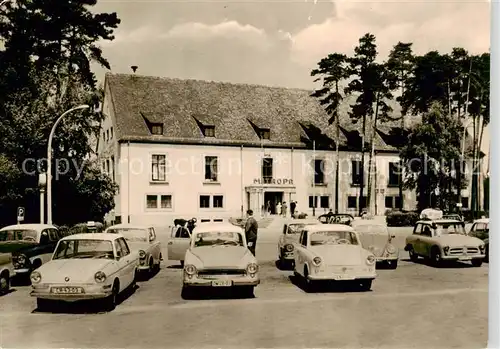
x=333, y=252
x=84, y=267
x=287, y=240
x=218, y=256
x=6, y=272
x=377, y=239
x=143, y=241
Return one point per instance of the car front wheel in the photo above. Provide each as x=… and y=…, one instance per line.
x=366, y=285
x=477, y=262
x=111, y=300
x=4, y=283
x=436, y=257
x=248, y=291
x=43, y=304
x=392, y=264
x=413, y=255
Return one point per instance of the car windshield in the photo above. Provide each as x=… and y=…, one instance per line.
x=218, y=239
x=333, y=238
x=68, y=249
x=19, y=235
x=131, y=234
x=449, y=228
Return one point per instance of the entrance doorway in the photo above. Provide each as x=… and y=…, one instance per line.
x=273, y=198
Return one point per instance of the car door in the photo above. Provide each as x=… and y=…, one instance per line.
x=425, y=242
x=414, y=238
x=178, y=244
x=128, y=263
x=154, y=245
x=300, y=249
x=48, y=241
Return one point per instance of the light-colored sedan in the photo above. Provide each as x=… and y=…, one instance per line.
x=375, y=237
x=481, y=230
x=287, y=240
x=333, y=252
x=6, y=272
x=218, y=256
x=84, y=267
x=143, y=241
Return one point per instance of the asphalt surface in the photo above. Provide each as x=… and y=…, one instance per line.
x=415, y=305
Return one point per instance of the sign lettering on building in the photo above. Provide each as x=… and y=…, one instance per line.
x=276, y=181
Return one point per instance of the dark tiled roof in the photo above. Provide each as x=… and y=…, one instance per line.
x=292, y=115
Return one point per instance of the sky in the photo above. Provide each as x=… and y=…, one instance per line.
x=279, y=42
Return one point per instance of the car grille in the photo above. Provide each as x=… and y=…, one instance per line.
x=17, y=264
x=460, y=251
x=211, y=272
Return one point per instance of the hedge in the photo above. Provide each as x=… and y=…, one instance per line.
x=401, y=219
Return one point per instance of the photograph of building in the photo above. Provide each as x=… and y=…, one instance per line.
x=188, y=148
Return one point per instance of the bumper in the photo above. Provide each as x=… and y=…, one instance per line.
x=289, y=256
x=208, y=282
x=341, y=277
x=23, y=271
x=385, y=259
x=142, y=267
x=463, y=257
x=343, y=274
x=90, y=292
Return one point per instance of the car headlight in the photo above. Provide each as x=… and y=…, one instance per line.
x=391, y=249
x=446, y=249
x=482, y=247
x=21, y=259
x=36, y=277
x=190, y=269
x=370, y=260
x=252, y=268
x=100, y=277
x=289, y=248
x=316, y=261
x=142, y=254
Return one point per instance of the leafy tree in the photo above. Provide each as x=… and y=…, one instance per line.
x=332, y=71
x=430, y=155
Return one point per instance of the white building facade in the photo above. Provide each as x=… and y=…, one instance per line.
x=163, y=174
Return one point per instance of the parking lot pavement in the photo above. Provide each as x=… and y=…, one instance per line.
x=413, y=306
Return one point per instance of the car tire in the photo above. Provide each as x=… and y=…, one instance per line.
x=413, y=255
x=477, y=262
x=309, y=285
x=248, y=292
x=157, y=266
x=43, y=304
x=366, y=285
x=151, y=269
x=392, y=264
x=436, y=259
x=4, y=283
x=487, y=257
x=111, y=300
x=182, y=264
x=187, y=292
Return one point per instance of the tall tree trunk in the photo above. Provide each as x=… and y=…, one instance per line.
x=337, y=160
x=371, y=173
x=361, y=189
x=481, y=177
x=473, y=187
x=400, y=171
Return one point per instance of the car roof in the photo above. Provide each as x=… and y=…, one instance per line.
x=129, y=226
x=29, y=226
x=482, y=220
x=93, y=236
x=304, y=221
x=216, y=226
x=440, y=221
x=328, y=227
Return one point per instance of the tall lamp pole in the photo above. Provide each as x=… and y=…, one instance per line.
x=459, y=173
x=49, y=160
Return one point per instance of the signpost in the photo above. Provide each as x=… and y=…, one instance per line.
x=20, y=215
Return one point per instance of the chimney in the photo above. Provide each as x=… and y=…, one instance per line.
x=134, y=68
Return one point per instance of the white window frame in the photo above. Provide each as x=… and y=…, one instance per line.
x=150, y=171
x=158, y=202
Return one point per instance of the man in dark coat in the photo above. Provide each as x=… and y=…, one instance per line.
x=292, y=207
x=251, y=228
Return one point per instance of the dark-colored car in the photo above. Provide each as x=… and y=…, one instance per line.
x=336, y=218
x=31, y=245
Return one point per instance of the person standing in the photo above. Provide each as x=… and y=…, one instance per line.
x=284, y=208
x=251, y=227
x=292, y=208
x=297, y=212
x=278, y=208
x=268, y=208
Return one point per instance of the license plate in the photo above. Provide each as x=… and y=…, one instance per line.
x=344, y=277
x=67, y=290
x=222, y=283
x=464, y=258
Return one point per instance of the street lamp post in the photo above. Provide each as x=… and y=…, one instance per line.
x=49, y=160
x=459, y=173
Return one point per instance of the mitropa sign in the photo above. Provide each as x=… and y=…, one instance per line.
x=275, y=181
x=20, y=214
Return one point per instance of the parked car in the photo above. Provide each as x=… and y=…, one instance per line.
x=6, y=272
x=287, y=240
x=336, y=218
x=218, y=256
x=178, y=244
x=481, y=230
x=444, y=240
x=384, y=250
x=333, y=252
x=85, y=267
x=143, y=241
x=31, y=245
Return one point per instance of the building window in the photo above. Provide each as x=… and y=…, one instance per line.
x=394, y=171
x=319, y=174
x=107, y=167
x=211, y=168
x=107, y=135
x=104, y=136
x=356, y=172
x=151, y=201
x=218, y=201
x=267, y=170
x=325, y=202
x=166, y=201
x=352, y=202
x=389, y=202
x=465, y=202
x=158, y=168
x=313, y=201
x=204, y=201
x=113, y=168
x=265, y=133
x=111, y=133
x=157, y=129
x=209, y=131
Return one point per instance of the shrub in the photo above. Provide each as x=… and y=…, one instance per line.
x=469, y=217
x=302, y=215
x=401, y=219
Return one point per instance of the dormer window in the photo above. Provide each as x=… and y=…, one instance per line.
x=157, y=129
x=264, y=133
x=209, y=131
